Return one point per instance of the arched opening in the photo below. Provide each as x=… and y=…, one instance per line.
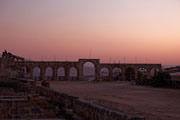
x=130, y=74
x=73, y=73
x=104, y=73
x=61, y=73
x=153, y=72
x=117, y=74
x=88, y=71
x=36, y=73
x=142, y=73
x=48, y=73
x=24, y=70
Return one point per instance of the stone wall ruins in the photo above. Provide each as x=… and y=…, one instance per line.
x=85, y=109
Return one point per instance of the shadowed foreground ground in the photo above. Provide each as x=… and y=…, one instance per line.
x=152, y=103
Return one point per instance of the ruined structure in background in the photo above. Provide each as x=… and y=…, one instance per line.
x=21, y=100
x=41, y=102
x=12, y=65
x=126, y=71
x=8, y=68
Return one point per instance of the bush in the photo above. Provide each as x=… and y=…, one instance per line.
x=161, y=79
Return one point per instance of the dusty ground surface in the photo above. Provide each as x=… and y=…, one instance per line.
x=152, y=103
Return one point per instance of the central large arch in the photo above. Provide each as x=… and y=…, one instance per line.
x=88, y=71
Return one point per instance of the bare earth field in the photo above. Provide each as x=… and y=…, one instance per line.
x=152, y=103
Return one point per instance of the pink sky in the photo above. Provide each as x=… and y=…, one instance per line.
x=112, y=29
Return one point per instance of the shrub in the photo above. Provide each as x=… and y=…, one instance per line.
x=161, y=79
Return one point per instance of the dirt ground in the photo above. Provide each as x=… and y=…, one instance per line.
x=152, y=103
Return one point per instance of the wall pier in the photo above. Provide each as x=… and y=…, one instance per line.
x=54, y=73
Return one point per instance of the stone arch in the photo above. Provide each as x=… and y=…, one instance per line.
x=61, y=73
x=36, y=73
x=89, y=71
x=104, y=73
x=130, y=74
x=142, y=73
x=24, y=69
x=117, y=73
x=48, y=73
x=73, y=73
x=153, y=71
x=93, y=61
x=96, y=63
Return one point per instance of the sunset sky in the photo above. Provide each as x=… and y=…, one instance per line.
x=112, y=29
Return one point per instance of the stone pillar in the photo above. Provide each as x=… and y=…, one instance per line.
x=136, y=74
x=66, y=73
x=123, y=74
x=54, y=73
x=29, y=72
x=148, y=75
x=80, y=73
x=42, y=73
x=97, y=73
x=110, y=74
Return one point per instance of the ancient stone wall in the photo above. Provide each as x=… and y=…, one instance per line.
x=85, y=109
x=56, y=96
x=10, y=108
x=25, y=103
x=93, y=111
x=43, y=65
x=8, y=68
x=19, y=107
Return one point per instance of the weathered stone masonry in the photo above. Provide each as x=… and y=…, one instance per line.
x=30, y=65
x=85, y=109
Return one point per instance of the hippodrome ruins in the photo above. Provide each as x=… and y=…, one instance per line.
x=88, y=100
x=126, y=71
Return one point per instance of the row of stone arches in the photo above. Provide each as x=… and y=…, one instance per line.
x=48, y=75
x=130, y=74
x=89, y=73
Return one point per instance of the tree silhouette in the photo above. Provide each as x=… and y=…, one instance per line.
x=161, y=79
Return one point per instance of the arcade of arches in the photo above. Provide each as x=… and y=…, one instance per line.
x=86, y=69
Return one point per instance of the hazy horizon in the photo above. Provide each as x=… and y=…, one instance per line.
x=141, y=31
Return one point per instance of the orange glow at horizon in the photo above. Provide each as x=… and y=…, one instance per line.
x=113, y=30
